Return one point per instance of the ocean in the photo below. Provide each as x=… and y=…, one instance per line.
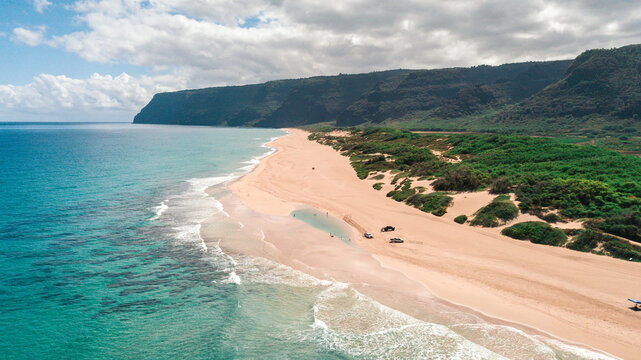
x=101, y=257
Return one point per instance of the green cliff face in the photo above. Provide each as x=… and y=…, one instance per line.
x=598, y=92
x=271, y=104
x=601, y=91
x=453, y=92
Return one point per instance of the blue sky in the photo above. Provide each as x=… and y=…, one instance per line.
x=20, y=62
x=79, y=60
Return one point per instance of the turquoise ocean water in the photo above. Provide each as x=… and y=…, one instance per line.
x=101, y=258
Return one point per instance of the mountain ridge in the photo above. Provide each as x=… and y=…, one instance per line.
x=597, y=92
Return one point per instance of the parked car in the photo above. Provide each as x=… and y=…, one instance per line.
x=388, y=228
x=396, y=241
x=368, y=235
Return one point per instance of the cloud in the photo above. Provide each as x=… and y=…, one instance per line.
x=29, y=37
x=198, y=43
x=210, y=39
x=40, y=5
x=48, y=94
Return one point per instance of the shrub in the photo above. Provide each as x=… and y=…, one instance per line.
x=361, y=171
x=500, y=186
x=586, y=241
x=378, y=186
x=460, y=179
x=626, y=224
x=403, y=191
x=435, y=203
x=589, y=239
x=461, y=219
x=378, y=177
x=537, y=232
x=439, y=212
x=501, y=208
x=551, y=217
x=623, y=249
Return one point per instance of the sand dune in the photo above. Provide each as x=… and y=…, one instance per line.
x=575, y=296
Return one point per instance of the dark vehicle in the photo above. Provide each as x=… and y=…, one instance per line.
x=368, y=235
x=388, y=228
x=396, y=241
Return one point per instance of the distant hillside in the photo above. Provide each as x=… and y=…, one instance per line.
x=271, y=104
x=597, y=94
x=601, y=91
x=452, y=92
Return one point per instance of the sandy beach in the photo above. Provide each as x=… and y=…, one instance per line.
x=580, y=298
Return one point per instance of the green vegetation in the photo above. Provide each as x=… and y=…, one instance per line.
x=501, y=208
x=551, y=217
x=430, y=96
x=598, y=96
x=460, y=179
x=551, y=179
x=461, y=219
x=378, y=177
x=378, y=186
x=588, y=240
x=500, y=186
x=537, y=232
x=435, y=203
x=282, y=103
x=402, y=191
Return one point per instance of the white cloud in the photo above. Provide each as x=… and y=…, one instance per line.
x=201, y=43
x=40, y=5
x=308, y=37
x=29, y=37
x=49, y=94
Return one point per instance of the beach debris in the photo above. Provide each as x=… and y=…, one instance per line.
x=388, y=228
x=368, y=235
x=396, y=241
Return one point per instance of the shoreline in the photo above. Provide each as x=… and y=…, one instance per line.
x=465, y=267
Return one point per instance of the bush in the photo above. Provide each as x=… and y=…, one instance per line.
x=500, y=186
x=623, y=249
x=501, y=208
x=461, y=219
x=435, y=203
x=589, y=239
x=626, y=224
x=403, y=191
x=551, y=217
x=460, y=179
x=586, y=241
x=378, y=177
x=537, y=232
x=378, y=186
x=439, y=212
